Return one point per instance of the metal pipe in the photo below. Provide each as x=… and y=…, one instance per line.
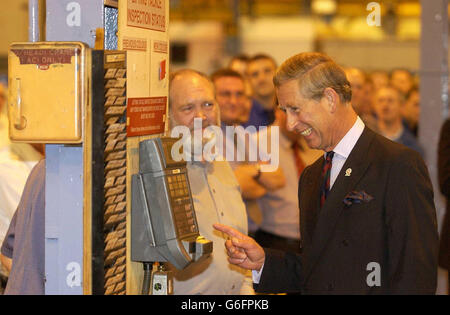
x=33, y=20
x=147, y=278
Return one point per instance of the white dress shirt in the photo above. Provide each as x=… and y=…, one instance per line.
x=341, y=153
x=343, y=149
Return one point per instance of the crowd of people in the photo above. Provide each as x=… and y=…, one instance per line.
x=322, y=101
x=388, y=103
x=265, y=205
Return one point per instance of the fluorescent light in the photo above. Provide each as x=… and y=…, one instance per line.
x=324, y=7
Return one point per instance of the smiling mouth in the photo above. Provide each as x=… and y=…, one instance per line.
x=306, y=132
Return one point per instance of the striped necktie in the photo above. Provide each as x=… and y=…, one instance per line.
x=326, y=177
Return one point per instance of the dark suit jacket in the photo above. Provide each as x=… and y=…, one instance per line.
x=397, y=229
x=444, y=183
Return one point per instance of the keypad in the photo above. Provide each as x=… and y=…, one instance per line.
x=181, y=204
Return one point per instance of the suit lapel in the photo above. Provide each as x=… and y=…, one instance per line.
x=328, y=216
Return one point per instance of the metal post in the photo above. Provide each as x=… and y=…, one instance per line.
x=233, y=40
x=33, y=20
x=433, y=86
x=67, y=20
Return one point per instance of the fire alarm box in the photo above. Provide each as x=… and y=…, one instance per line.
x=48, y=87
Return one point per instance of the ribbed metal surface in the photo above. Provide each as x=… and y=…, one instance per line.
x=115, y=174
x=111, y=24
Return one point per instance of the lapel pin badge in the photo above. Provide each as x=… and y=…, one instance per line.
x=348, y=172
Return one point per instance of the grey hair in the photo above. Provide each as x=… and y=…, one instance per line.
x=315, y=72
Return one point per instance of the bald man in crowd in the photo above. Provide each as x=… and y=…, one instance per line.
x=215, y=190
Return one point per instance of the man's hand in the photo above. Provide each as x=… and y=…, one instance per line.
x=6, y=262
x=242, y=250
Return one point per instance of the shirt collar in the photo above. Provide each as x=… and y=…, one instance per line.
x=346, y=145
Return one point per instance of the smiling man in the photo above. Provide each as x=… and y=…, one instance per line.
x=215, y=191
x=367, y=216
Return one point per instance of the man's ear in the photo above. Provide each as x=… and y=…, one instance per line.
x=332, y=98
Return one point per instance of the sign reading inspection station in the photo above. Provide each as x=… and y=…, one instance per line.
x=146, y=115
x=149, y=14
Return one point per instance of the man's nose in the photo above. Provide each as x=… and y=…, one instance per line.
x=200, y=114
x=234, y=99
x=264, y=77
x=291, y=121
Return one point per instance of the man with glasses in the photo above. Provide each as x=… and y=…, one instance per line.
x=230, y=95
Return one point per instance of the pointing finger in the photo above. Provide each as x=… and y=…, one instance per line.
x=229, y=231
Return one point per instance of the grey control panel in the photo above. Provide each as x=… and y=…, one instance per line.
x=163, y=221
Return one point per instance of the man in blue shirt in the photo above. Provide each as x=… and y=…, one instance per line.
x=260, y=71
x=23, y=250
x=388, y=107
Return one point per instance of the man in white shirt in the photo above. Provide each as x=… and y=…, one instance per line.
x=215, y=192
x=367, y=215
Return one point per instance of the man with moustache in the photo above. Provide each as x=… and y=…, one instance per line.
x=367, y=216
x=215, y=192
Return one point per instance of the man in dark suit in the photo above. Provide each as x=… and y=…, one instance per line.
x=367, y=216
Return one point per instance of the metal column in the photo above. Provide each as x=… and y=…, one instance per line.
x=67, y=20
x=433, y=86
